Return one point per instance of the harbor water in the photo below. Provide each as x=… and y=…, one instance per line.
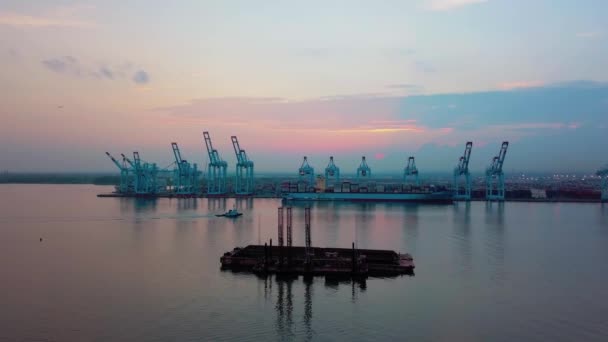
x=75, y=267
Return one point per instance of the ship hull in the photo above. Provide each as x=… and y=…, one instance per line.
x=434, y=197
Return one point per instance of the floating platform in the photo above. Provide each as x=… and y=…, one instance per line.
x=332, y=262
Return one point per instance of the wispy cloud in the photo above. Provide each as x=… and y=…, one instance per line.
x=141, y=77
x=409, y=88
x=520, y=85
x=66, y=17
x=71, y=66
x=445, y=5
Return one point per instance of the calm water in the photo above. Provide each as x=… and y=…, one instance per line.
x=148, y=270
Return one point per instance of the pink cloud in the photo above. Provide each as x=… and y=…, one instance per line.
x=337, y=123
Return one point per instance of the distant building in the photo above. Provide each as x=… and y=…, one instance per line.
x=538, y=193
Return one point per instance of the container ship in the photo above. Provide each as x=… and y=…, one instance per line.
x=368, y=192
x=331, y=188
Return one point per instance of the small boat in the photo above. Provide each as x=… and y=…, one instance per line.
x=230, y=213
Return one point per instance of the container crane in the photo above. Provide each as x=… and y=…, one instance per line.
x=333, y=172
x=185, y=178
x=216, y=169
x=603, y=173
x=123, y=187
x=244, y=170
x=363, y=171
x=138, y=181
x=146, y=175
x=462, y=169
x=307, y=172
x=496, y=191
x=411, y=171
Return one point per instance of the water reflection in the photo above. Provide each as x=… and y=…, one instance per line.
x=244, y=203
x=214, y=204
x=137, y=205
x=410, y=222
x=284, y=307
x=603, y=217
x=462, y=236
x=495, y=213
x=495, y=240
x=184, y=204
x=308, y=308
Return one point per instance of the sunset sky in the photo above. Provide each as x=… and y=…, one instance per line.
x=385, y=79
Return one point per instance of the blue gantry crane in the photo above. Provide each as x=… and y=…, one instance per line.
x=332, y=172
x=495, y=177
x=363, y=171
x=306, y=172
x=185, y=175
x=124, y=184
x=243, y=184
x=462, y=169
x=411, y=171
x=216, y=169
x=603, y=173
x=146, y=176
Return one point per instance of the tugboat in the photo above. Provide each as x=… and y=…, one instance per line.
x=232, y=213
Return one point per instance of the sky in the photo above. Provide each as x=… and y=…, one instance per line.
x=384, y=79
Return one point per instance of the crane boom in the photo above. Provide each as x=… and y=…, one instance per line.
x=213, y=154
x=136, y=159
x=115, y=161
x=177, y=154
x=128, y=160
x=463, y=162
x=501, y=156
x=237, y=149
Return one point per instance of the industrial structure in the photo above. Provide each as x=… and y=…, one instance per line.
x=332, y=172
x=363, y=171
x=306, y=172
x=216, y=169
x=495, y=177
x=145, y=176
x=124, y=185
x=186, y=175
x=462, y=170
x=603, y=173
x=411, y=171
x=243, y=184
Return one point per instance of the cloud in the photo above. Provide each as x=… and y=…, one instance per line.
x=61, y=17
x=141, y=77
x=445, y=5
x=64, y=65
x=71, y=66
x=537, y=120
x=409, y=88
x=520, y=84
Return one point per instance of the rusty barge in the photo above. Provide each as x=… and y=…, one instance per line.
x=315, y=261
